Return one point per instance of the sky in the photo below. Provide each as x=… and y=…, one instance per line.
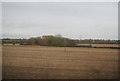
x=0, y=20
x=95, y=20
x=60, y=0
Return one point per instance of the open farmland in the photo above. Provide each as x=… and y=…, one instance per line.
x=101, y=45
x=38, y=62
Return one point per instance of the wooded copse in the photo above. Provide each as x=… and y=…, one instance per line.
x=51, y=41
x=57, y=40
x=48, y=40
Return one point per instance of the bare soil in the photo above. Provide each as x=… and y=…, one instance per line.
x=100, y=45
x=38, y=62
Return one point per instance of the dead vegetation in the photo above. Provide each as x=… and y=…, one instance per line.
x=37, y=62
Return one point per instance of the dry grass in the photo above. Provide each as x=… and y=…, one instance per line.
x=36, y=62
x=101, y=45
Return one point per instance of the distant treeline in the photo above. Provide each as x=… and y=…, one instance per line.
x=50, y=40
x=99, y=41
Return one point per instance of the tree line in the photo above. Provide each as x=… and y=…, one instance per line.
x=57, y=40
x=48, y=40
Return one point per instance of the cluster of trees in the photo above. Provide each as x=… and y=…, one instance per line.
x=49, y=40
x=57, y=40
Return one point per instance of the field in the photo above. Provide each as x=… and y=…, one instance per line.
x=38, y=62
x=100, y=45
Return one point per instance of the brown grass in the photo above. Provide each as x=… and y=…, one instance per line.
x=36, y=62
x=101, y=45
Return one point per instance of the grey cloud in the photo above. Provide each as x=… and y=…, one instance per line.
x=91, y=20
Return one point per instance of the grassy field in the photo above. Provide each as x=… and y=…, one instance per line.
x=100, y=45
x=37, y=62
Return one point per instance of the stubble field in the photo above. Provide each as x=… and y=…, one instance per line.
x=38, y=62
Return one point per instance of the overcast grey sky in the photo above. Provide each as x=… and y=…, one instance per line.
x=32, y=19
x=0, y=20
